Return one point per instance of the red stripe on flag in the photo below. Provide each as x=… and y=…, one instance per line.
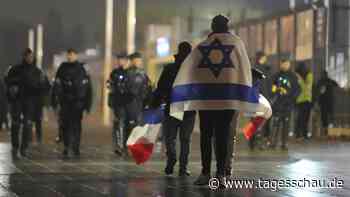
x=141, y=151
x=252, y=127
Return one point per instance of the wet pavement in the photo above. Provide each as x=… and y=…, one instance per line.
x=99, y=172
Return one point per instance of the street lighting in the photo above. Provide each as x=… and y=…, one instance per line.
x=31, y=39
x=131, y=24
x=39, y=45
x=108, y=61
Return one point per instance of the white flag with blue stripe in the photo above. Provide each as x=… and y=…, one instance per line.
x=217, y=76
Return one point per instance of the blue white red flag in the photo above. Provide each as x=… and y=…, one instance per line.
x=142, y=138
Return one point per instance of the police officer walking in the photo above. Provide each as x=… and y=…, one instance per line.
x=139, y=90
x=73, y=93
x=171, y=125
x=24, y=82
x=117, y=100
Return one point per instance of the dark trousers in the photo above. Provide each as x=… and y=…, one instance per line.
x=21, y=108
x=171, y=128
x=231, y=143
x=218, y=124
x=119, y=127
x=71, y=118
x=304, y=111
x=280, y=127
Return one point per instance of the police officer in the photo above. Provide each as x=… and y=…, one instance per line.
x=24, y=82
x=285, y=90
x=139, y=90
x=73, y=93
x=117, y=100
x=171, y=125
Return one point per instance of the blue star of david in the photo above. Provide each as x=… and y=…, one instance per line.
x=225, y=62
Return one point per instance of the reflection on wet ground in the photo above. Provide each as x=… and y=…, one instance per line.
x=100, y=173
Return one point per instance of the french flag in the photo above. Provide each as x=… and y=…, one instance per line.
x=143, y=138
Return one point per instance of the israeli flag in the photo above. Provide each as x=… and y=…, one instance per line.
x=217, y=76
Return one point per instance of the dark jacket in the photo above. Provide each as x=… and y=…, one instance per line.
x=284, y=91
x=265, y=84
x=80, y=94
x=139, y=88
x=165, y=84
x=119, y=95
x=325, y=91
x=29, y=80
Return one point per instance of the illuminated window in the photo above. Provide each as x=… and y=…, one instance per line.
x=271, y=37
x=287, y=35
x=305, y=35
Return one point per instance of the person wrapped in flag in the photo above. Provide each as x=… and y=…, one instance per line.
x=216, y=80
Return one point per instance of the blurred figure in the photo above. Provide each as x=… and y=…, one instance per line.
x=139, y=90
x=325, y=96
x=39, y=104
x=24, y=83
x=285, y=90
x=304, y=100
x=72, y=91
x=118, y=99
x=4, y=107
x=264, y=89
x=171, y=125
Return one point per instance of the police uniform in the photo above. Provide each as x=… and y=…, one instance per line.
x=73, y=92
x=23, y=88
x=118, y=98
x=139, y=89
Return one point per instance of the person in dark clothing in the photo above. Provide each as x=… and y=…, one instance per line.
x=215, y=124
x=39, y=107
x=171, y=125
x=138, y=90
x=118, y=98
x=325, y=96
x=23, y=82
x=4, y=107
x=264, y=89
x=72, y=91
x=285, y=90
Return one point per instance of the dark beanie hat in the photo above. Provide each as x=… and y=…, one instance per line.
x=184, y=48
x=135, y=55
x=219, y=24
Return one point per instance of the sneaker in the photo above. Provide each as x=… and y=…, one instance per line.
x=184, y=173
x=23, y=153
x=202, y=180
x=169, y=169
